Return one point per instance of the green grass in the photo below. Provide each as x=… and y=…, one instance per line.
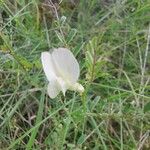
x=111, y=41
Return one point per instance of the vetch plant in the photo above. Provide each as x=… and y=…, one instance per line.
x=62, y=71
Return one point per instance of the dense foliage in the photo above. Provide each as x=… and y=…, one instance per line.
x=111, y=41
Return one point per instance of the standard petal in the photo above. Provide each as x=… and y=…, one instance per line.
x=53, y=89
x=66, y=64
x=48, y=66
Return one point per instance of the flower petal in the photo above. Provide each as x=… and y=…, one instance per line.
x=63, y=85
x=48, y=66
x=66, y=64
x=53, y=89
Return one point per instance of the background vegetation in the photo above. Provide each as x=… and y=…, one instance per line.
x=110, y=39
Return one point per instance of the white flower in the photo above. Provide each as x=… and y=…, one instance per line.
x=62, y=71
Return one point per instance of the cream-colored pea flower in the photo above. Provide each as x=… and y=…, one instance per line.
x=62, y=71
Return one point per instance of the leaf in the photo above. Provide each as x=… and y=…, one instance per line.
x=60, y=37
x=78, y=115
x=147, y=107
x=81, y=139
x=71, y=35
